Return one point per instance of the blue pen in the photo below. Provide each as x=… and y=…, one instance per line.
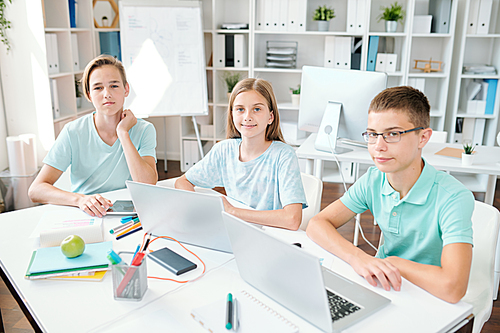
x=135, y=253
x=127, y=218
x=128, y=233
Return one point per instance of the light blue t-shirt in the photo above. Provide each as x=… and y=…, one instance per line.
x=268, y=182
x=436, y=212
x=97, y=167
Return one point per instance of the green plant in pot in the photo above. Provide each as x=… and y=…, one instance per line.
x=467, y=155
x=392, y=15
x=295, y=95
x=323, y=15
x=78, y=93
x=231, y=79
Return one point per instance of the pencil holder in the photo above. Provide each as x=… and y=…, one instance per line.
x=129, y=282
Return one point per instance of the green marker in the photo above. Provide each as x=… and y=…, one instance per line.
x=229, y=312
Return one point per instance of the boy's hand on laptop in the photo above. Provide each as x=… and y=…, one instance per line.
x=94, y=205
x=373, y=269
x=228, y=208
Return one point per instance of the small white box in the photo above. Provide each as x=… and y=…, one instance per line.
x=422, y=24
x=476, y=107
x=291, y=132
x=206, y=131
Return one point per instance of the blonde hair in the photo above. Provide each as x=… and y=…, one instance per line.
x=98, y=62
x=404, y=99
x=265, y=89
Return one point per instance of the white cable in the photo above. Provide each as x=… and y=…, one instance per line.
x=345, y=189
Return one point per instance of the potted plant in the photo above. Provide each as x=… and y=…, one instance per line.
x=231, y=79
x=323, y=15
x=295, y=95
x=392, y=15
x=467, y=155
x=104, y=21
x=78, y=94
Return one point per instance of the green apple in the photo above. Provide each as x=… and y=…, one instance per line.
x=72, y=246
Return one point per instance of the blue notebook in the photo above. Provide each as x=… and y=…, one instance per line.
x=50, y=259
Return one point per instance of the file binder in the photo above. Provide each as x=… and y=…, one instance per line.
x=351, y=16
x=478, y=131
x=483, y=17
x=491, y=95
x=72, y=13
x=74, y=51
x=293, y=15
x=268, y=9
x=361, y=8
x=259, y=15
x=468, y=129
x=56, y=111
x=372, y=53
x=440, y=11
x=229, y=51
x=302, y=15
x=220, y=51
x=472, y=19
x=329, y=61
x=356, y=53
x=342, y=52
x=240, y=51
x=50, y=57
x=381, y=59
x=283, y=15
x=275, y=15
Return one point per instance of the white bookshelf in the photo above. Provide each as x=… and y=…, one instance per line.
x=474, y=48
x=311, y=48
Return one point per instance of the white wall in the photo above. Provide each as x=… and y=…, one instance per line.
x=24, y=74
x=173, y=137
x=3, y=134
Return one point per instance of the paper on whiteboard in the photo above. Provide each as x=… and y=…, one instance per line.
x=163, y=55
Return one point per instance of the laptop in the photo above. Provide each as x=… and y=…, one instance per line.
x=296, y=279
x=190, y=217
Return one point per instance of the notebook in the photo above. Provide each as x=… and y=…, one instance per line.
x=253, y=316
x=51, y=260
x=296, y=279
x=190, y=217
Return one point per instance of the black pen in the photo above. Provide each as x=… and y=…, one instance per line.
x=229, y=312
x=147, y=243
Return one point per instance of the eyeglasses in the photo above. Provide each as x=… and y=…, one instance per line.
x=389, y=137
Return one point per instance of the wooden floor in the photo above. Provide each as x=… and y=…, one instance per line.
x=14, y=320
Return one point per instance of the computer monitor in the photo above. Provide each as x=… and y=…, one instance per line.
x=352, y=89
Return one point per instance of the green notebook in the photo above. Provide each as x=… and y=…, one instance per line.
x=49, y=260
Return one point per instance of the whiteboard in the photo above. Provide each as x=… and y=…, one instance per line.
x=164, y=58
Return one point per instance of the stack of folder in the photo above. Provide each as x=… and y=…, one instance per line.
x=49, y=262
x=281, y=54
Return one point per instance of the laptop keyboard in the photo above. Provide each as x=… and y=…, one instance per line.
x=340, y=307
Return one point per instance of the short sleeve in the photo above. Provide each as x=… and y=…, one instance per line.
x=291, y=189
x=456, y=219
x=59, y=156
x=207, y=172
x=147, y=145
x=355, y=197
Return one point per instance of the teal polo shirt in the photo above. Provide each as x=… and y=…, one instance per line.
x=436, y=212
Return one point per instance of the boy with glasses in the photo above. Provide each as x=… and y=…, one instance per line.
x=424, y=214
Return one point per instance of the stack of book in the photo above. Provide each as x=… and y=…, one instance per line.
x=479, y=69
x=50, y=262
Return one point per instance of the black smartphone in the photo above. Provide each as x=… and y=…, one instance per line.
x=172, y=261
x=121, y=207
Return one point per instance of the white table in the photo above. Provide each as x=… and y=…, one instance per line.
x=80, y=306
x=486, y=161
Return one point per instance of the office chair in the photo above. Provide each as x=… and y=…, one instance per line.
x=482, y=287
x=313, y=187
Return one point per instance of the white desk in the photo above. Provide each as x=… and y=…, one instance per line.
x=485, y=162
x=80, y=306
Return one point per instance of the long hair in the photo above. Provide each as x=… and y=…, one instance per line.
x=265, y=89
